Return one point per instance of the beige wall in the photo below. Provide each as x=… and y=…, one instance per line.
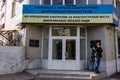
x=106, y=35
x=96, y=33
x=33, y=32
x=110, y=43
x=9, y=21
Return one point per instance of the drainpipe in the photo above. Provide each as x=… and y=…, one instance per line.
x=116, y=49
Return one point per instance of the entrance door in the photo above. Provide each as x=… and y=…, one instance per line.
x=63, y=54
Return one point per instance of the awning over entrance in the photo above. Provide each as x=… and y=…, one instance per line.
x=69, y=14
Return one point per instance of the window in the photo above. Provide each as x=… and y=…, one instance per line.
x=118, y=8
x=119, y=46
x=69, y=2
x=82, y=49
x=82, y=43
x=34, y=1
x=13, y=9
x=114, y=3
x=92, y=1
x=57, y=49
x=80, y=1
x=82, y=32
x=45, y=48
x=57, y=1
x=46, y=1
x=45, y=42
x=64, y=31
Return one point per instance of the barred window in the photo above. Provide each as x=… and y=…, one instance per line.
x=118, y=8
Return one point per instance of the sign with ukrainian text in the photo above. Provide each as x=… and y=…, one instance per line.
x=70, y=14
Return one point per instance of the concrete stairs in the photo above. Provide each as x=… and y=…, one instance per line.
x=42, y=74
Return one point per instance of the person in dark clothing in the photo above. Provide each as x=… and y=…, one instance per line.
x=97, y=56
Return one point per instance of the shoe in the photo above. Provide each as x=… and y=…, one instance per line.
x=95, y=72
x=98, y=72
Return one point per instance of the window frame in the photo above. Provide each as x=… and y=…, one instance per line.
x=118, y=8
x=74, y=2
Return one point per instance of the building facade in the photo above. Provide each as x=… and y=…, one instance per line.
x=60, y=34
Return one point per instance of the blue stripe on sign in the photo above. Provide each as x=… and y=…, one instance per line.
x=115, y=11
x=116, y=23
x=68, y=9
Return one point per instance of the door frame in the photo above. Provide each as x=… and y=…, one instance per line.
x=65, y=64
x=78, y=62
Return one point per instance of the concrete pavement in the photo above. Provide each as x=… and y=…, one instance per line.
x=17, y=76
x=113, y=77
x=27, y=76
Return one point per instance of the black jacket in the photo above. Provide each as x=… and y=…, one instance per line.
x=98, y=52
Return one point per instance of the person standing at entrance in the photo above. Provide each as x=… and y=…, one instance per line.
x=97, y=56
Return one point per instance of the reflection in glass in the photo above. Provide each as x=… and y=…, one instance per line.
x=70, y=50
x=82, y=32
x=45, y=48
x=57, y=49
x=92, y=1
x=80, y=1
x=82, y=49
x=64, y=31
x=118, y=46
x=67, y=2
x=34, y=1
x=57, y=1
x=46, y=32
x=46, y=1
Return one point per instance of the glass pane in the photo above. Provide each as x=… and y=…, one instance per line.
x=118, y=46
x=82, y=49
x=118, y=8
x=64, y=31
x=46, y=32
x=82, y=32
x=57, y=49
x=68, y=2
x=92, y=1
x=46, y=1
x=57, y=2
x=70, y=53
x=45, y=48
x=80, y=1
x=34, y=1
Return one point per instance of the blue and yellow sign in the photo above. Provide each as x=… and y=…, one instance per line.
x=70, y=14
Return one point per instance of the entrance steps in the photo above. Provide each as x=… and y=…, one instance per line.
x=43, y=74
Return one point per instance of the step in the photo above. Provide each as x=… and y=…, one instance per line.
x=42, y=74
x=64, y=74
x=61, y=78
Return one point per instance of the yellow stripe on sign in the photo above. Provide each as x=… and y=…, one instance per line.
x=115, y=17
x=65, y=18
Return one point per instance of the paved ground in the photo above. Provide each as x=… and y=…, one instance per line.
x=17, y=76
x=113, y=77
x=27, y=76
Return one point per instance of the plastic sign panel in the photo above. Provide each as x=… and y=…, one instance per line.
x=70, y=14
